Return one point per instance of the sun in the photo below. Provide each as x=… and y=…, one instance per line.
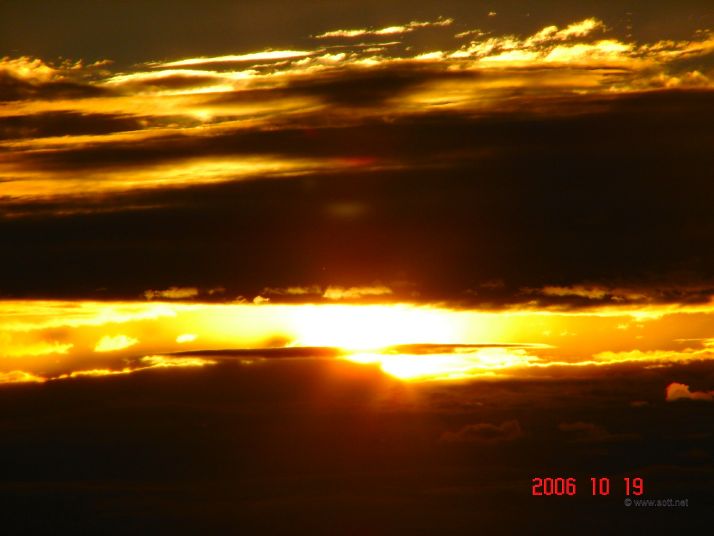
x=372, y=334
x=371, y=327
x=471, y=363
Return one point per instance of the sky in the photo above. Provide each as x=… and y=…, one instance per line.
x=464, y=229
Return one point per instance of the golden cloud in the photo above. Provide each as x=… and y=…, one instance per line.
x=202, y=99
x=577, y=29
x=292, y=291
x=265, y=55
x=656, y=356
x=593, y=292
x=145, y=363
x=161, y=361
x=388, y=30
x=172, y=293
x=681, y=391
x=22, y=345
x=342, y=293
x=18, y=376
x=32, y=315
x=26, y=68
x=114, y=343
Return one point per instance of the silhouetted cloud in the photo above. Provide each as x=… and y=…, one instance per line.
x=485, y=433
x=64, y=124
x=587, y=432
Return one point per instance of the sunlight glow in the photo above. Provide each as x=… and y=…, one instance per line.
x=372, y=327
x=45, y=340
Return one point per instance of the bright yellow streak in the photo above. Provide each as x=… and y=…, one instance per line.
x=371, y=327
x=19, y=376
x=147, y=362
x=43, y=185
x=254, y=56
x=42, y=340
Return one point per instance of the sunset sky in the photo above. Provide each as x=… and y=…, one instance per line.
x=427, y=219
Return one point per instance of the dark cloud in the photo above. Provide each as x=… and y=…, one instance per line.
x=173, y=81
x=64, y=124
x=588, y=432
x=485, y=433
x=359, y=87
x=14, y=89
x=614, y=199
x=327, y=352
x=267, y=353
x=349, y=87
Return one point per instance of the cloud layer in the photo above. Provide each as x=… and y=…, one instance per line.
x=563, y=168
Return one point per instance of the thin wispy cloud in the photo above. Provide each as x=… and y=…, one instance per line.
x=387, y=30
x=267, y=55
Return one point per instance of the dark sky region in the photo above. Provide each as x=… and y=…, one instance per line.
x=320, y=447
x=535, y=174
